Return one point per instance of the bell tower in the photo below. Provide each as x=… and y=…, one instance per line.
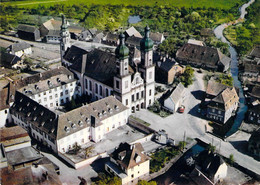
x=64, y=38
x=122, y=79
x=147, y=68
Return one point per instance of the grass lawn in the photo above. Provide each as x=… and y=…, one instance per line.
x=225, y=4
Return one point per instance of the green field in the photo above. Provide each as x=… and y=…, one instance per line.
x=225, y=4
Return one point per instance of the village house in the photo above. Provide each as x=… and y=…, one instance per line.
x=212, y=166
x=98, y=38
x=35, y=174
x=253, y=94
x=222, y=101
x=75, y=32
x=61, y=131
x=110, y=39
x=250, y=71
x=253, y=114
x=13, y=138
x=175, y=98
x=51, y=30
x=88, y=34
x=132, y=32
x=51, y=88
x=157, y=38
x=102, y=73
x=6, y=99
x=28, y=32
x=254, y=143
x=133, y=42
x=20, y=49
x=10, y=61
x=129, y=163
x=166, y=69
x=203, y=57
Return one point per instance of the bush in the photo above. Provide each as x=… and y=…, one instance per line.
x=231, y=159
x=187, y=77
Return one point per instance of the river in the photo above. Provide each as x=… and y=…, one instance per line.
x=234, y=70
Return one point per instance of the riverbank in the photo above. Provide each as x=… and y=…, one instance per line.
x=234, y=68
x=245, y=34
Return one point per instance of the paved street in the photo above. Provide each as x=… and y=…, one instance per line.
x=176, y=124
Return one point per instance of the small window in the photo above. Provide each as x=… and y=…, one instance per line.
x=117, y=84
x=126, y=102
x=150, y=75
x=150, y=92
x=133, y=97
x=96, y=88
x=66, y=92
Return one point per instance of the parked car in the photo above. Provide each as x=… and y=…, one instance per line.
x=181, y=109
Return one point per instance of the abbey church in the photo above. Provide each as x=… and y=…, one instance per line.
x=103, y=73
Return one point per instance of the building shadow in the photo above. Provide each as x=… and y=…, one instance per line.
x=199, y=94
x=99, y=167
x=241, y=146
x=195, y=111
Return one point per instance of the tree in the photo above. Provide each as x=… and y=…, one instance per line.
x=107, y=180
x=182, y=145
x=231, y=159
x=88, y=151
x=211, y=148
x=187, y=77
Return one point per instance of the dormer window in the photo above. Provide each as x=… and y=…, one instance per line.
x=36, y=87
x=104, y=112
x=116, y=107
x=20, y=108
x=138, y=158
x=73, y=125
x=42, y=113
x=99, y=115
x=88, y=120
x=110, y=110
x=28, y=104
x=42, y=124
x=28, y=114
x=80, y=123
x=58, y=80
x=34, y=108
x=52, y=130
x=34, y=119
x=67, y=129
x=21, y=100
x=49, y=83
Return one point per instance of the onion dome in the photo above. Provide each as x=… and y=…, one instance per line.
x=122, y=51
x=146, y=43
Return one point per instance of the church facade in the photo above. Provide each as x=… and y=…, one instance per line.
x=103, y=73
